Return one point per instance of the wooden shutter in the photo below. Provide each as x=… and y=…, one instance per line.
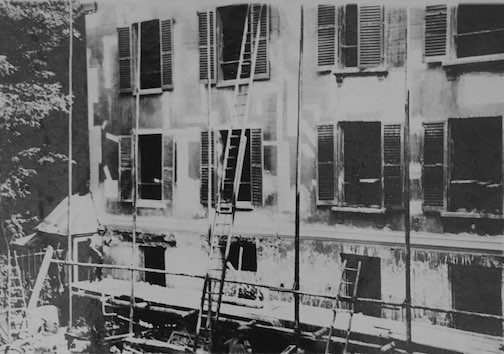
x=166, y=55
x=370, y=35
x=433, y=165
x=126, y=168
x=392, y=166
x=168, y=167
x=326, y=35
x=124, y=49
x=256, y=166
x=204, y=168
x=435, y=31
x=325, y=163
x=262, y=70
x=203, y=44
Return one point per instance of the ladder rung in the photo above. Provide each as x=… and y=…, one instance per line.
x=352, y=269
x=348, y=282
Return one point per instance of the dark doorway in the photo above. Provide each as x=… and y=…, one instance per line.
x=476, y=289
x=150, y=150
x=154, y=258
x=369, y=282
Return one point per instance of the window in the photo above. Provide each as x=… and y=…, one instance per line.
x=156, y=167
x=243, y=255
x=252, y=171
x=359, y=164
x=477, y=30
x=229, y=25
x=480, y=30
x=472, y=168
x=360, y=36
x=154, y=258
x=476, y=289
x=156, y=56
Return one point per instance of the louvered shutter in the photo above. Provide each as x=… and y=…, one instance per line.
x=325, y=163
x=326, y=35
x=166, y=55
x=392, y=166
x=168, y=167
x=433, y=165
x=204, y=168
x=256, y=162
x=262, y=70
x=370, y=35
x=126, y=168
x=124, y=51
x=435, y=31
x=203, y=45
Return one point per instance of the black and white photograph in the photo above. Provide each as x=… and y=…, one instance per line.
x=223, y=176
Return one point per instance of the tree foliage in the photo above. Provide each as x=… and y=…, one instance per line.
x=31, y=33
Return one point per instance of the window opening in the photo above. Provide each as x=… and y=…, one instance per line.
x=476, y=165
x=349, y=36
x=149, y=147
x=243, y=255
x=150, y=55
x=154, y=258
x=362, y=163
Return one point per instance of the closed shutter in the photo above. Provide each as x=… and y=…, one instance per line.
x=166, y=55
x=433, y=165
x=392, y=166
x=325, y=163
x=326, y=35
x=370, y=35
x=435, y=31
x=124, y=51
x=126, y=168
x=256, y=168
x=168, y=167
x=204, y=168
x=262, y=70
x=203, y=45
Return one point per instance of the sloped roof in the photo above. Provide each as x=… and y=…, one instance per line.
x=83, y=214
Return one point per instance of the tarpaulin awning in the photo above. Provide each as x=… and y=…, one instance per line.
x=84, y=219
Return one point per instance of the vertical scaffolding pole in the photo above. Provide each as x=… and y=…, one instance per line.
x=135, y=177
x=70, y=138
x=298, y=172
x=210, y=155
x=407, y=216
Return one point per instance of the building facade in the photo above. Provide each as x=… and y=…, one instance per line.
x=361, y=62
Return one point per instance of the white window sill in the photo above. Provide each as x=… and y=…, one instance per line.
x=147, y=203
x=379, y=71
x=473, y=60
x=359, y=210
x=470, y=215
x=152, y=91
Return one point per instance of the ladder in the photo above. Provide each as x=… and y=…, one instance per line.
x=348, y=285
x=18, y=321
x=229, y=183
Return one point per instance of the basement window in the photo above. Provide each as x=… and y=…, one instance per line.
x=480, y=30
x=243, y=255
x=476, y=289
x=475, y=171
x=150, y=166
x=154, y=258
x=362, y=164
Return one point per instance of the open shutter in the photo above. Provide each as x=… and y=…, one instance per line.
x=204, y=168
x=370, y=35
x=433, y=165
x=166, y=55
x=325, y=163
x=262, y=70
x=326, y=35
x=256, y=161
x=392, y=166
x=126, y=168
x=124, y=50
x=168, y=167
x=435, y=31
x=203, y=45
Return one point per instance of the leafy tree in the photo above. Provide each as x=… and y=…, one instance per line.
x=34, y=105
